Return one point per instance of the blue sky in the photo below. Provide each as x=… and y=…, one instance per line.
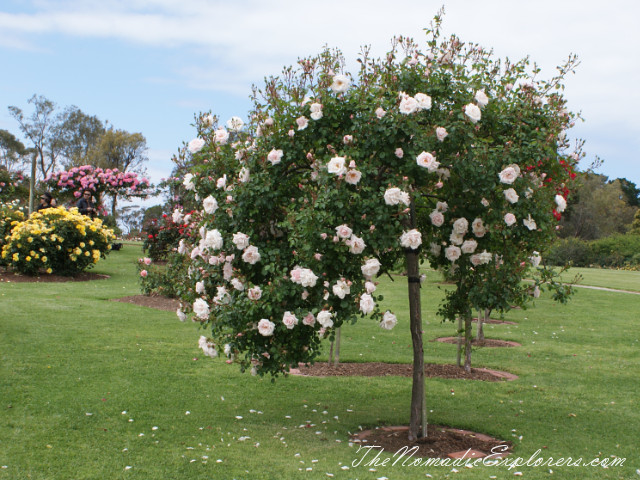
x=150, y=65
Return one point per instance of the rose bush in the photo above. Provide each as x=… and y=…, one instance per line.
x=56, y=240
x=11, y=214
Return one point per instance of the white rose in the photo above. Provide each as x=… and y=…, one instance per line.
x=195, y=145
x=341, y=289
x=176, y=216
x=452, y=253
x=481, y=98
x=469, y=246
x=324, y=319
x=477, y=226
x=389, y=321
x=399, y=152
x=316, y=111
x=428, y=161
x=241, y=240
x=461, y=226
x=343, y=231
x=221, y=136
x=411, y=239
x=508, y=175
x=308, y=278
x=535, y=259
x=353, y=177
x=366, y=303
x=212, y=239
x=251, y=255
x=561, y=203
x=337, y=166
x=473, y=112
x=370, y=287
x=207, y=120
x=201, y=308
x=199, y=287
x=302, y=123
x=371, y=267
x=530, y=223
x=235, y=124
x=309, y=320
x=275, y=156
x=485, y=257
x=237, y=284
x=456, y=238
x=181, y=316
x=380, y=112
x=265, y=327
x=243, y=176
x=509, y=219
x=188, y=182
x=442, y=206
x=511, y=195
x=254, y=293
x=441, y=133
x=423, y=101
x=394, y=196
x=210, y=205
x=356, y=245
x=408, y=105
x=437, y=218
x=435, y=249
x=340, y=83
x=289, y=320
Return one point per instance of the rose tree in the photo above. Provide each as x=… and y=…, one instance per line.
x=339, y=177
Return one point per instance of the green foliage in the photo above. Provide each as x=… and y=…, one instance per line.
x=168, y=278
x=615, y=251
x=13, y=186
x=56, y=240
x=162, y=235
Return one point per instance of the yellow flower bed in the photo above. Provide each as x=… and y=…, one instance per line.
x=62, y=241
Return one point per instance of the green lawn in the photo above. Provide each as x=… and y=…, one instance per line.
x=603, y=277
x=95, y=389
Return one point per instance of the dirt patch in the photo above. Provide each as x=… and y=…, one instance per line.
x=495, y=321
x=487, y=342
x=441, y=442
x=9, y=276
x=377, y=369
x=152, y=301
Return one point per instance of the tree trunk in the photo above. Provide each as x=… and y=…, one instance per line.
x=459, y=353
x=418, y=421
x=468, y=335
x=482, y=316
x=32, y=185
x=330, y=362
x=113, y=205
x=337, y=358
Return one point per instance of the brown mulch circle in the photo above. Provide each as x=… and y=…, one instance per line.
x=378, y=369
x=152, y=301
x=9, y=276
x=440, y=442
x=487, y=342
x=495, y=321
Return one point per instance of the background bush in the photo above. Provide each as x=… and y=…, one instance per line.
x=56, y=240
x=10, y=215
x=616, y=251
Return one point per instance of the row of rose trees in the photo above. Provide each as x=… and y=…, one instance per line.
x=436, y=152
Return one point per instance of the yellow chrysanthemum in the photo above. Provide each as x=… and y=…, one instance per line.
x=87, y=253
x=49, y=270
x=16, y=257
x=44, y=259
x=82, y=245
x=28, y=259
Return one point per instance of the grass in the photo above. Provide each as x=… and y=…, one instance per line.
x=90, y=387
x=604, y=277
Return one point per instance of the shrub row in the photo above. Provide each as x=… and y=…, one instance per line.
x=616, y=251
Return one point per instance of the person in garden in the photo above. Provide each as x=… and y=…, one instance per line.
x=85, y=204
x=46, y=201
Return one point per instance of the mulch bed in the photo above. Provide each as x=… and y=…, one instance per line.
x=377, y=369
x=152, y=301
x=9, y=276
x=487, y=342
x=440, y=442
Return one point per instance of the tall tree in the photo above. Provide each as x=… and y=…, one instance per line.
x=13, y=153
x=78, y=134
x=119, y=149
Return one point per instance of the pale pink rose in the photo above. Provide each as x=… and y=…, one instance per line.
x=477, y=226
x=484, y=202
x=200, y=289
x=143, y=273
x=302, y=123
x=441, y=133
x=146, y=260
x=535, y=259
x=411, y=239
x=309, y=320
x=337, y=166
x=347, y=139
x=561, y=203
x=221, y=182
x=366, y=303
x=530, y=223
x=475, y=260
x=435, y=249
x=201, y=308
x=481, y=98
x=509, y=219
x=370, y=287
x=265, y=327
x=511, y=195
x=341, y=289
x=408, y=105
x=452, y=253
x=473, y=112
x=399, y=153
x=289, y=320
x=423, y=101
x=275, y=156
x=461, y=226
x=254, y=293
x=251, y=255
x=388, y=321
x=437, y=218
x=353, y=177
x=227, y=271
x=371, y=267
x=343, y=231
x=243, y=176
x=340, y=83
x=241, y=240
x=428, y=161
x=291, y=133
x=456, y=238
x=235, y=124
x=195, y=145
x=316, y=111
x=508, y=175
x=380, y=112
x=221, y=136
x=469, y=246
x=210, y=205
x=181, y=315
x=324, y=319
x=356, y=245
x=442, y=206
x=394, y=196
x=485, y=257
